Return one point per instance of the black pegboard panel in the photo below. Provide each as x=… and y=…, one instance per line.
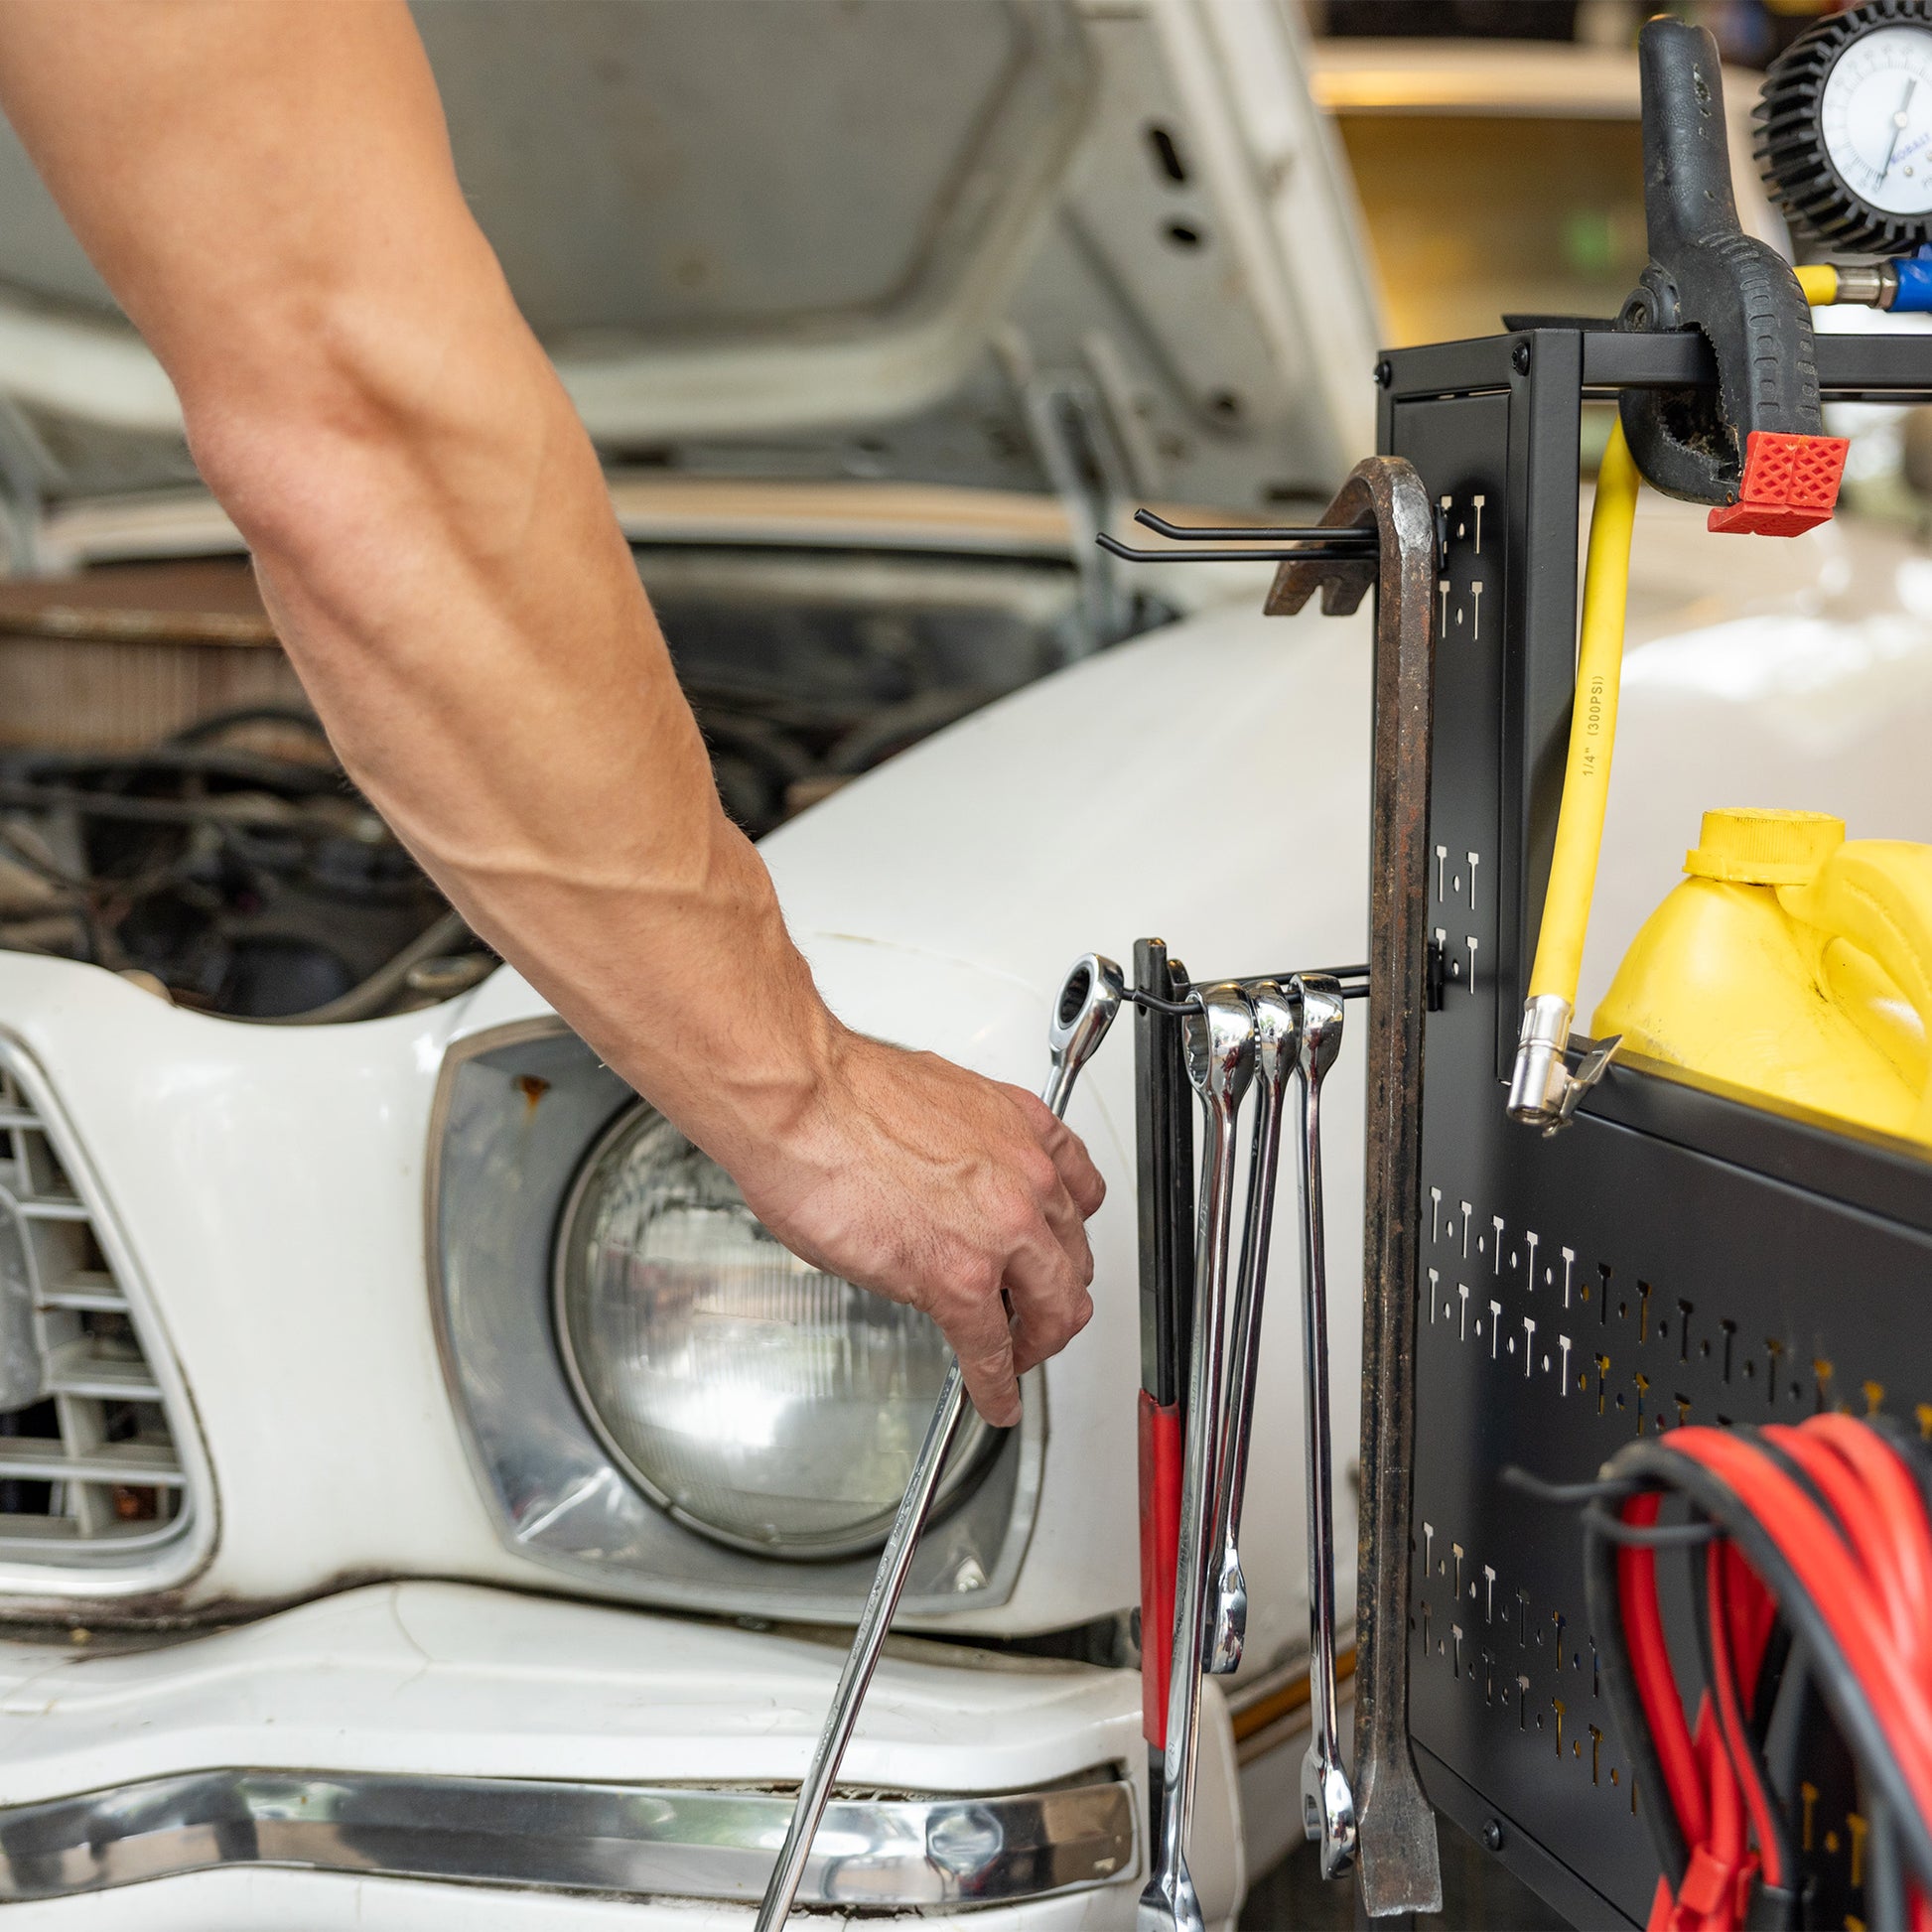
x=1673, y=1256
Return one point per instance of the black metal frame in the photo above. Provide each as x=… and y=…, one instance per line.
x=1677, y=1252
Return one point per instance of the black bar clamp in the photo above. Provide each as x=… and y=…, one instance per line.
x=1706, y=273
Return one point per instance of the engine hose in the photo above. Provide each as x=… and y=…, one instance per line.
x=219, y=724
x=1536, y=1093
x=366, y=1000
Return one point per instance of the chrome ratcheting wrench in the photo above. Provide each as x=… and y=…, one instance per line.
x=1089, y=997
x=1327, y=1803
x=1219, y=1044
x=1277, y=1044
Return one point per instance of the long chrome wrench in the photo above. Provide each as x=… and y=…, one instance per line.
x=1277, y=1037
x=1089, y=997
x=1327, y=1804
x=1219, y=1043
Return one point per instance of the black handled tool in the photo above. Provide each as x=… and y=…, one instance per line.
x=1706, y=273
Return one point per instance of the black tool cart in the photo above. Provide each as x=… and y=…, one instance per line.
x=1658, y=1252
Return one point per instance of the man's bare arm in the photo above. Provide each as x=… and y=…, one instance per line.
x=266, y=184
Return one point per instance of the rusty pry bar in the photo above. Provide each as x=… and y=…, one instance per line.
x=1399, y=1865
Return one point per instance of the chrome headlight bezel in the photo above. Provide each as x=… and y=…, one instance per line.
x=517, y=1108
x=976, y=1440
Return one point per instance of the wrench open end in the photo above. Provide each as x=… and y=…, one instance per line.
x=1228, y=1624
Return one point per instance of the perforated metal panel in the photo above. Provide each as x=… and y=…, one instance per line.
x=1674, y=1256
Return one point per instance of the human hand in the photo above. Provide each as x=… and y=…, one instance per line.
x=962, y=1196
x=433, y=532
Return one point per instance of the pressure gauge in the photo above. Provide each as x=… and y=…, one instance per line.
x=1844, y=128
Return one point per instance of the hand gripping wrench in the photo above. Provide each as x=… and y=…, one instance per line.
x=1277, y=1037
x=1327, y=1804
x=1219, y=1043
x=1089, y=997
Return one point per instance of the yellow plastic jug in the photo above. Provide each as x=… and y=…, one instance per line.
x=1794, y=962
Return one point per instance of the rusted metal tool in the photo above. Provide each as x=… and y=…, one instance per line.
x=1397, y=1859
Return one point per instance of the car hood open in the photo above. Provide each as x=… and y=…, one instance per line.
x=1019, y=243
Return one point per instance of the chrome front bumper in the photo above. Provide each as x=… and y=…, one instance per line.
x=525, y=1748
x=878, y=1853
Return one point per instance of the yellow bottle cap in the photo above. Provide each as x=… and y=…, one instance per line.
x=1764, y=847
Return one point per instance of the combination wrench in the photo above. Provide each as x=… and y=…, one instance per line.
x=1277, y=1037
x=1089, y=997
x=1219, y=1046
x=1327, y=1804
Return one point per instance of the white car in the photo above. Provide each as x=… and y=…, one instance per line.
x=424, y=1491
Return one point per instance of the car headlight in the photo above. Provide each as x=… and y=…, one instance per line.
x=757, y=1399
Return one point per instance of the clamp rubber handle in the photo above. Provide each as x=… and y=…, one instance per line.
x=1706, y=273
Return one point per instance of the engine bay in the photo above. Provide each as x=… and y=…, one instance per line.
x=171, y=810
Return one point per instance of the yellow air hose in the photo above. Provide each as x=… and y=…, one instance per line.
x=1542, y=1076
x=1542, y=1089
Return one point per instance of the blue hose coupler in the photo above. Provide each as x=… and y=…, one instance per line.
x=1912, y=292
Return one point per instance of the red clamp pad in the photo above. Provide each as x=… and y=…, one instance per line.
x=1790, y=485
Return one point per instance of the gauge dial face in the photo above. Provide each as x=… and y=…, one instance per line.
x=1876, y=115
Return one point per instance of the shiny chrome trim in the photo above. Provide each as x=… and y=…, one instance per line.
x=686, y=1570
x=877, y=1854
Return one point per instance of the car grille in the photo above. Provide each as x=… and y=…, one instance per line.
x=90, y=1467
